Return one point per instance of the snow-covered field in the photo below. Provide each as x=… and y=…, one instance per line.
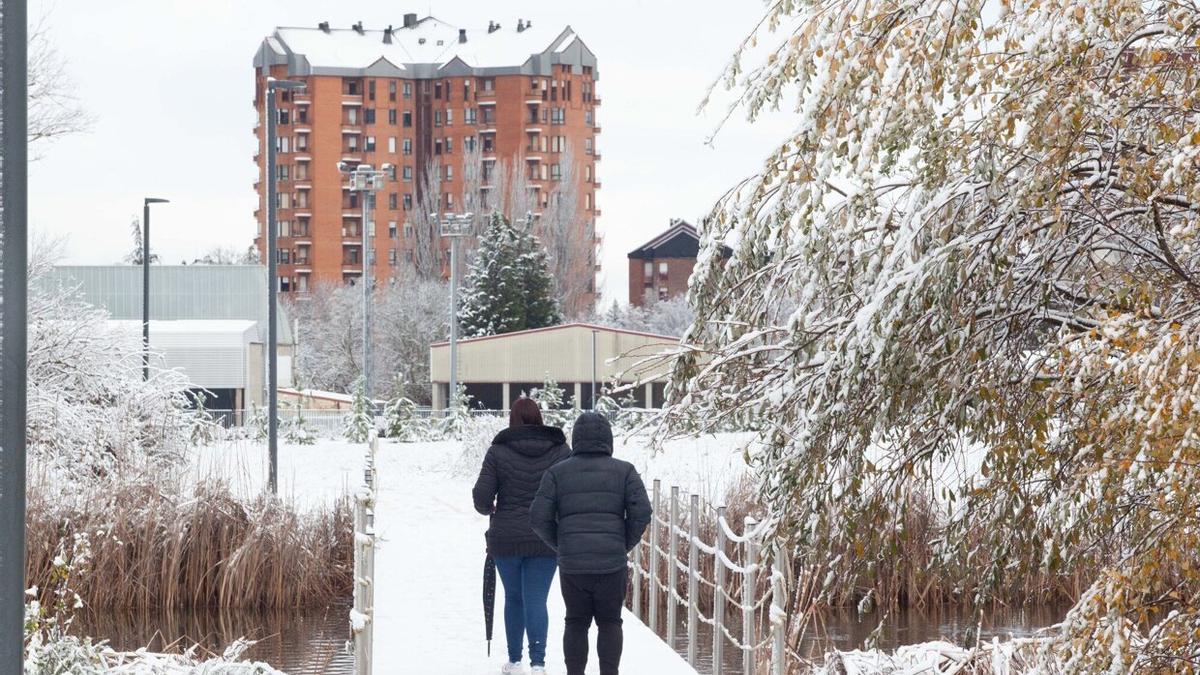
x=430, y=556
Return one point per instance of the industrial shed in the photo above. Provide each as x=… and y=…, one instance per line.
x=497, y=369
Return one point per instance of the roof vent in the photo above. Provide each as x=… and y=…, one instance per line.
x=441, y=42
x=520, y=25
x=462, y=35
x=420, y=41
x=387, y=35
x=410, y=20
x=493, y=27
x=324, y=26
x=358, y=28
x=528, y=24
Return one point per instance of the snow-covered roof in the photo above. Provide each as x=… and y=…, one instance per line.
x=678, y=229
x=426, y=48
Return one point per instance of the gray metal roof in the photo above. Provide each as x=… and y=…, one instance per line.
x=204, y=292
x=428, y=48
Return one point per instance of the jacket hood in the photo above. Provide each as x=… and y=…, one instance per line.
x=592, y=435
x=533, y=440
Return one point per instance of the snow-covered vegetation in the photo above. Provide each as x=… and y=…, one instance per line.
x=661, y=317
x=508, y=286
x=977, y=249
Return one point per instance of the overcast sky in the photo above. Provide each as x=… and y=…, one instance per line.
x=170, y=84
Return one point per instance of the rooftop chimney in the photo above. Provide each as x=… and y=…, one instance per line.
x=387, y=35
x=520, y=25
x=462, y=35
x=493, y=27
x=358, y=28
x=528, y=24
x=324, y=26
x=410, y=20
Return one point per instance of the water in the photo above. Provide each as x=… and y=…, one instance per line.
x=844, y=630
x=298, y=642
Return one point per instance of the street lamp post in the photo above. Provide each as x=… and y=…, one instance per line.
x=454, y=227
x=14, y=197
x=272, y=177
x=366, y=180
x=594, y=370
x=146, y=283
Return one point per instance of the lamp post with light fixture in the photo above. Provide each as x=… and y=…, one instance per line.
x=365, y=179
x=272, y=281
x=454, y=227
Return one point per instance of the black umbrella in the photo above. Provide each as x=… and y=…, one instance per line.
x=489, y=598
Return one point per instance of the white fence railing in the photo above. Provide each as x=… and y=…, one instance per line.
x=362, y=616
x=761, y=600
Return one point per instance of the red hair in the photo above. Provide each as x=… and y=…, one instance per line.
x=524, y=412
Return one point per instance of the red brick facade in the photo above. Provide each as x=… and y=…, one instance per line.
x=660, y=269
x=521, y=119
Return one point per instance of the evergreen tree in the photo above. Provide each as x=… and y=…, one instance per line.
x=360, y=420
x=508, y=286
x=398, y=419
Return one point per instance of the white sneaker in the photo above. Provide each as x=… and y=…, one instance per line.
x=514, y=669
x=537, y=670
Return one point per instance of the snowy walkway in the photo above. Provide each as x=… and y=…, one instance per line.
x=429, y=570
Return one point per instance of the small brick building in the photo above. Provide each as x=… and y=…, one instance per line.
x=660, y=268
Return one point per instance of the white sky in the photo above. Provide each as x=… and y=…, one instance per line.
x=170, y=84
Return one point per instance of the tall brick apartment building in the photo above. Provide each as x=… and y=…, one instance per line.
x=513, y=93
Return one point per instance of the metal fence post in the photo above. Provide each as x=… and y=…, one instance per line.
x=778, y=607
x=360, y=599
x=749, y=580
x=673, y=567
x=653, y=595
x=693, y=578
x=637, y=581
x=719, y=596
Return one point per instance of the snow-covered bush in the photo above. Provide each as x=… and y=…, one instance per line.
x=361, y=419
x=296, y=429
x=475, y=436
x=89, y=408
x=457, y=414
x=549, y=398
x=398, y=419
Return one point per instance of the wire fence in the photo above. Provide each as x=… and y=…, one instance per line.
x=692, y=559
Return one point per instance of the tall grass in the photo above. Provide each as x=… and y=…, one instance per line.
x=154, y=541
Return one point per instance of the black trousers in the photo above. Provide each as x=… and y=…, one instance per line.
x=593, y=596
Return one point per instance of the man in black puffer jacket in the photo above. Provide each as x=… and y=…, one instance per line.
x=592, y=509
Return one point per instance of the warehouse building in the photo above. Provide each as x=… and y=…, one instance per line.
x=208, y=321
x=580, y=357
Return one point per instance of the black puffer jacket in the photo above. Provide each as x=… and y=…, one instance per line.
x=511, y=472
x=591, y=508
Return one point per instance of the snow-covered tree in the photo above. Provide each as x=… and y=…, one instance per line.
x=407, y=317
x=508, y=287
x=361, y=419
x=978, y=248
x=457, y=414
x=662, y=317
x=398, y=419
x=134, y=257
x=296, y=429
x=88, y=407
x=550, y=398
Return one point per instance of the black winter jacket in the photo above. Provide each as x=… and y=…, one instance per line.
x=511, y=472
x=592, y=509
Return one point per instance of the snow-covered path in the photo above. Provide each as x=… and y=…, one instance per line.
x=429, y=570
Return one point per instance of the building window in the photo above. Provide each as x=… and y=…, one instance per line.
x=371, y=90
x=408, y=173
x=392, y=229
x=301, y=227
x=555, y=171
x=558, y=115
x=351, y=143
x=587, y=201
x=408, y=90
x=302, y=114
x=437, y=91
x=392, y=257
x=283, y=117
x=449, y=145
x=662, y=270
x=466, y=89
x=449, y=116
x=407, y=206
x=392, y=201
x=285, y=284
x=408, y=146
x=469, y=115
x=468, y=144
x=437, y=118
x=283, y=256
x=587, y=146
x=392, y=144
x=370, y=144
x=352, y=116
x=283, y=200
x=449, y=201
x=408, y=118
x=663, y=293
x=437, y=147
x=408, y=228
x=392, y=91
x=282, y=170
x=489, y=84
x=369, y=116
x=391, y=172
x=648, y=271
x=283, y=144
x=392, y=116
x=285, y=228
x=489, y=114
x=449, y=173
x=489, y=144
x=301, y=142
x=587, y=173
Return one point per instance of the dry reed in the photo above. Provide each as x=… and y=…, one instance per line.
x=144, y=543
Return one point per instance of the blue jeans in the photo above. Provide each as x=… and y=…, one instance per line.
x=526, y=584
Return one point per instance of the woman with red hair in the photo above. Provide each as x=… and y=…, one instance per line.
x=511, y=473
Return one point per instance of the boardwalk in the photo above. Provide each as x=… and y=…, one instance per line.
x=429, y=569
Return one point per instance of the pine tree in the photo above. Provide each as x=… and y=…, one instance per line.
x=398, y=419
x=360, y=421
x=508, y=286
x=549, y=398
